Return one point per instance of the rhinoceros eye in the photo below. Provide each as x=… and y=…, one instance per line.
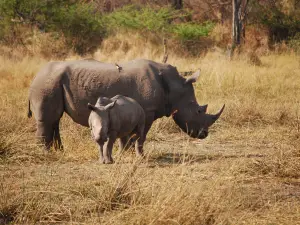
x=200, y=110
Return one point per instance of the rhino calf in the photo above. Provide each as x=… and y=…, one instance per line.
x=115, y=118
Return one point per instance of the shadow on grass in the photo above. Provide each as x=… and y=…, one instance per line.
x=7, y=215
x=169, y=159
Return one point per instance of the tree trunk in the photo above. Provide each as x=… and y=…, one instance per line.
x=236, y=33
x=239, y=14
x=177, y=4
x=235, y=28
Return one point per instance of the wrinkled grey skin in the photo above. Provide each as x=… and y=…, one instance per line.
x=69, y=86
x=115, y=118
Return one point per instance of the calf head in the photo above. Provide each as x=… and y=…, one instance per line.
x=187, y=113
x=99, y=119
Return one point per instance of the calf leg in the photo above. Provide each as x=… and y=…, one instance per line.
x=128, y=141
x=101, y=158
x=108, y=149
x=125, y=143
x=122, y=143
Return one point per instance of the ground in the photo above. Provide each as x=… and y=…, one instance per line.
x=247, y=171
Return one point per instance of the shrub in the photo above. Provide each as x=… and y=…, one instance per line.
x=160, y=21
x=79, y=23
x=282, y=23
x=135, y=17
x=82, y=28
x=294, y=43
x=189, y=31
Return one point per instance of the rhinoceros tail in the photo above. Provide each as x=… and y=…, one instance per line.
x=29, y=113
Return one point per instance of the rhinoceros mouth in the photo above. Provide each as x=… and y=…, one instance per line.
x=194, y=133
x=200, y=134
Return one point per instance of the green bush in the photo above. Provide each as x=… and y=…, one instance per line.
x=189, y=31
x=160, y=20
x=79, y=23
x=82, y=28
x=134, y=17
x=6, y=15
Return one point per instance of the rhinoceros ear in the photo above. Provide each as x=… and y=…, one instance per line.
x=193, y=78
x=110, y=105
x=91, y=107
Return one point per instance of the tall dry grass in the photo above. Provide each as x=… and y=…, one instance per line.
x=245, y=172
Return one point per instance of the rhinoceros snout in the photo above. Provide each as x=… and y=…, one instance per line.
x=203, y=134
x=199, y=134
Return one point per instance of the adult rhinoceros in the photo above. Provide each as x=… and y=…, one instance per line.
x=69, y=86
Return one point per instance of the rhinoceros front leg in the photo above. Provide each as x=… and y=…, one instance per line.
x=139, y=144
x=148, y=123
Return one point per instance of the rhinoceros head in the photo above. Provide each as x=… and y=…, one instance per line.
x=99, y=119
x=187, y=113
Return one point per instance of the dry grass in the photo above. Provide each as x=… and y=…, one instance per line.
x=246, y=172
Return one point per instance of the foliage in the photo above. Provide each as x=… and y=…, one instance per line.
x=82, y=28
x=281, y=22
x=77, y=22
x=189, y=31
x=294, y=43
x=134, y=17
x=160, y=20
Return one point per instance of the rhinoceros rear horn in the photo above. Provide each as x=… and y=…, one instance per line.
x=215, y=117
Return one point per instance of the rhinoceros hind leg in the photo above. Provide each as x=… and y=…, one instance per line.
x=57, y=140
x=44, y=134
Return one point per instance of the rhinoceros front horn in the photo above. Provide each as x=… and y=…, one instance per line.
x=215, y=117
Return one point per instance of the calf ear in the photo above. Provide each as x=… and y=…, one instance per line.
x=193, y=78
x=110, y=105
x=91, y=107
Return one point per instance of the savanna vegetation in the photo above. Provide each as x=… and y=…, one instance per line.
x=247, y=171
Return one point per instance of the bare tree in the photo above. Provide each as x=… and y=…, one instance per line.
x=239, y=16
x=177, y=4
